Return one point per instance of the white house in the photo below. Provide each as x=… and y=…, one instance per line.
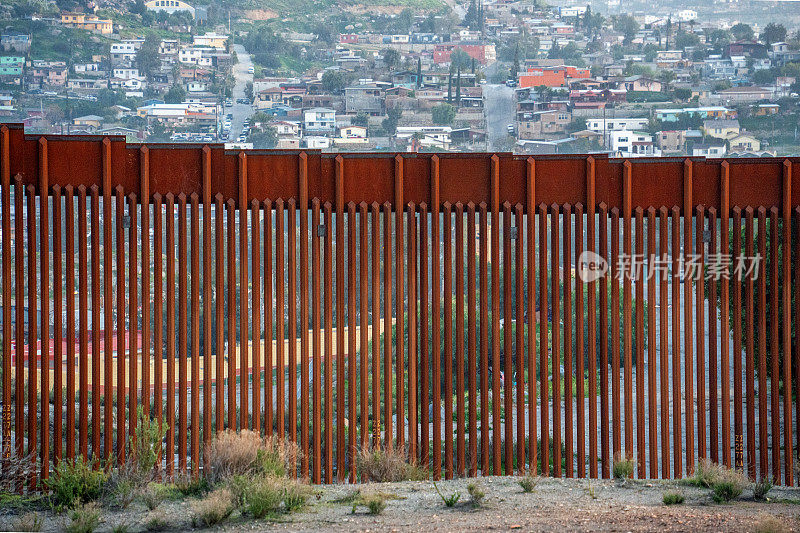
x=315, y=142
x=686, y=15
x=429, y=136
x=125, y=50
x=319, y=121
x=632, y=144
x=169, y=6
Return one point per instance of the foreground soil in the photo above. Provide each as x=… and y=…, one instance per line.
x=554, y=505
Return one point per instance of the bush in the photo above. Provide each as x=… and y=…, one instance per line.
x=156, y=522
x=707, y=474
x=84, y=519
x=673, y=498
x=263, y=497
x=75, y=483
x=188, y=486
x=375, y=504
x=152, y=496
x=762, y=488
x=769, y=524
x=729, y=487
x=623, y=468
x=528, y=483
x=214, y=508
x=294, y=496
x=387, y=464
x=476, y=494
x=246, y=453
x=449, y=501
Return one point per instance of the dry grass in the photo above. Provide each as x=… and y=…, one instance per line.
x=214, y=508
x=29, y=522
x=246, y=453
x=769, y=524
x=16, y=469
x=476, y=494
x=528, y=483
x=390, y=463
x=707, y=473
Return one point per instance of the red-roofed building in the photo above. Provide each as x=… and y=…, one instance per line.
x=559, y=76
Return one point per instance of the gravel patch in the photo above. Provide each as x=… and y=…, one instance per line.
x=554, y=505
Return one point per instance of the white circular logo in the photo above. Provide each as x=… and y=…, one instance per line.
x=591, y=266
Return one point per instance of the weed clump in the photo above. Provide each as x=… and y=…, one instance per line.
x=449, y=501
x=248, y=454
x=762, y=488
x=29, y=522
x=214, y=508
x=528, y=483
x=388, y=463
x=476, y=494
x=623, y=468
x=84, y=519
x=673, y=498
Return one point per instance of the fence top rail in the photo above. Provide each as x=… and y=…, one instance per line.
x=587, y=179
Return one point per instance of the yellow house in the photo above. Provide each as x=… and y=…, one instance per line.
x=211, y=40
x=88, y=121
x=744, y=142
x=721, y=128
x=87, y=22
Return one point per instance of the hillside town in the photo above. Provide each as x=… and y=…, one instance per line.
x=500, y=75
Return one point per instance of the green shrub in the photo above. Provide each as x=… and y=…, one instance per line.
x=294, y=497
x=726, y=490
x=84, y=519
x=706, y=474
x=152, y=495
x=156, y=522
x=75, y=482
x=673, y=498
x=476, y=494
x=623, y=468
x=449, y=501
x=375, y=504
x=120, y=528
x=263, y=497
x=762, y=488
x=528, y=483
x=188, y=486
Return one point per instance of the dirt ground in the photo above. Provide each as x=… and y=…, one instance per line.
x=554, y=505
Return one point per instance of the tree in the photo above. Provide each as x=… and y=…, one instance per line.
x=627, y=25
x=147, y=59
x=248, y=91
x=390, y=122
x=458, y=89
x=175, y=95
x=267, y=138
x=686, y=39
x=472, y=18
x=742, y=32
x=460, y=59
x=773, y=33
x=333, y=81
x=666, y=77
x=361, y=119
x=443, y=114
x=515, y=64
x=391, y=58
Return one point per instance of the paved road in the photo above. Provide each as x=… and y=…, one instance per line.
x=242, y=76
x=499, y=109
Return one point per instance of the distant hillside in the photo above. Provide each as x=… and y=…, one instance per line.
x=265, y=9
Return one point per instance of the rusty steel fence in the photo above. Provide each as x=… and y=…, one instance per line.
x=475, y=310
